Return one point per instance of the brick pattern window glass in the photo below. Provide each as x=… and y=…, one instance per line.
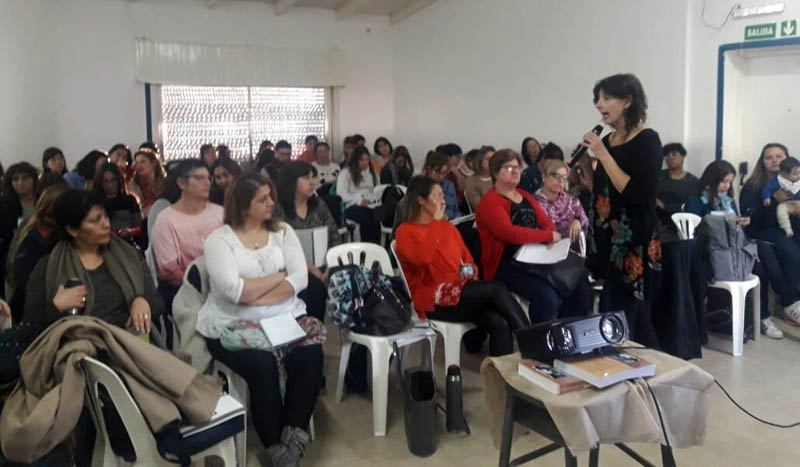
x=239, y=117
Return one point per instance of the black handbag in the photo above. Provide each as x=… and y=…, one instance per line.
x=383, y=313
x=563, y=276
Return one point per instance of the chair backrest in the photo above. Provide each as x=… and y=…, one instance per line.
x=686, y=223
x=400, y=266
x=378, y=190
x=363, y=254
x=150, y=259
x=315, y=244
x=582, y=244
x=469, y=206
x=99, y=374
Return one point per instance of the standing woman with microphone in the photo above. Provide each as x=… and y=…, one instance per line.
x=625, y=250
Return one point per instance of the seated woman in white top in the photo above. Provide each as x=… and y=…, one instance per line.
x=256, y=268
x=355, y=186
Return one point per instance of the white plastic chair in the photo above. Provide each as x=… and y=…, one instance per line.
x=686, y=223
x=452, y=333
x=144, y=443
x=380, y=347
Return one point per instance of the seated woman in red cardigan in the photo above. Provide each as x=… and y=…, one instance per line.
x=442, y=275
x=509, y=217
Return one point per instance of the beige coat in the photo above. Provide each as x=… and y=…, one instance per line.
x=45, y=406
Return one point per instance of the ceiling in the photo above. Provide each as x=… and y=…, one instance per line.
x=396, y=10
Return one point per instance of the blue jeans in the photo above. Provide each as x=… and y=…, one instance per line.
x=544, y=303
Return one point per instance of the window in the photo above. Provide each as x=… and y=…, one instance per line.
x=239, y=117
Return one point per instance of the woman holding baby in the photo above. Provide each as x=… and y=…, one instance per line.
x=778, y=254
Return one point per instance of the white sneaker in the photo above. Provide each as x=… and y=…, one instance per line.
x=769, y=329
x=791, y=314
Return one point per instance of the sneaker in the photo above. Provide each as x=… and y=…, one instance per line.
x=769, y=329
x=791, y=314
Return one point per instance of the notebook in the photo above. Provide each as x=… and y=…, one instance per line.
x=282, y=329
x=315, y=244
x=227, y=408
x=539, y=253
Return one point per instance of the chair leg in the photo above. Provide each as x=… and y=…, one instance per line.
x=343, y=360
x=757, y=312
x=380, y=387
x=737, y=315
x=452, y=349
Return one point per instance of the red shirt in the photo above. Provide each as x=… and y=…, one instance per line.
x=493, y=216
x=430, y=255
x=307, y=156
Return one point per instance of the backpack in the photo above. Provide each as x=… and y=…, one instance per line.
x=365, y=301
x=728, y=255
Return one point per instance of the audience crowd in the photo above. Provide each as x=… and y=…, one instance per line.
x=98, y=222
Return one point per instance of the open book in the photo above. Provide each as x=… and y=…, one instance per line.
x=282, y=329
x=540, y=253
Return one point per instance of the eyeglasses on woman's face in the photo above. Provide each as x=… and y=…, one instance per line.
x=512, y=169
x=559, y=176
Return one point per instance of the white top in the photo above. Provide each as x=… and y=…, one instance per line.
x=229, y=263
x=327, y=173
x=351, y=193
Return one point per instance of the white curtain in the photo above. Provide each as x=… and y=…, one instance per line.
x=225, y=65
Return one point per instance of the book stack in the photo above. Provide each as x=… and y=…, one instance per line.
x=549, y=377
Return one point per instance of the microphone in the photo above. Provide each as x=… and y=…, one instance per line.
x=578, y=153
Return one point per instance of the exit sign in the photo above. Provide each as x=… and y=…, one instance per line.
x=760, y=31
x=789, y=28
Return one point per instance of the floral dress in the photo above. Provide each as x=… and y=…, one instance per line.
x=624, y=248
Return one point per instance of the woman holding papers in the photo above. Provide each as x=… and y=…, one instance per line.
x=561, y=207
x=441, y=272
x=256, y=269
x=625, y=248
x=509, y=217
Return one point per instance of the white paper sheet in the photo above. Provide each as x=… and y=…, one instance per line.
x=538, y=253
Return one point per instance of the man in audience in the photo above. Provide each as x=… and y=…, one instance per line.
x=283, y=151
x=675, y=185
x=181, y=229
x=309, y=154
x=359, y=140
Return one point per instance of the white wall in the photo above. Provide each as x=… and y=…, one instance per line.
x=87, y=96
x=492, y=72
x=701, y=77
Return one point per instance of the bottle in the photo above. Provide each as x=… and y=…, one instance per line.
x=72, y=282
x=453, y=401
x=466, y=271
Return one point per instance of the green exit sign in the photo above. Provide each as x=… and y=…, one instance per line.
x=759, y=31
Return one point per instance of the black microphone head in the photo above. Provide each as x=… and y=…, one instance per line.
x=597, y=129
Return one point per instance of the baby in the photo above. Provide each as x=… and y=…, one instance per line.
x=788, y=179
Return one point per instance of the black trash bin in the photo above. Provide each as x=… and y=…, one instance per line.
x=420, y=394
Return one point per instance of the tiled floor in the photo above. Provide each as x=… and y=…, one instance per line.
x=765, y=380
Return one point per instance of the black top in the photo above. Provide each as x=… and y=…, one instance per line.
x=523, y=215
x=109, y=303
x=674, y=193
x=625, y=223
x=761, y=217
x=30, y=251
x=123, y=212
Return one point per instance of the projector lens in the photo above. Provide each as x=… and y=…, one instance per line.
x=611, y=328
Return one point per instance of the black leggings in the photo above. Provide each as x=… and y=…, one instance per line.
x=492, y=307
x=314, y=297
x=260, y=369
x=369, y=228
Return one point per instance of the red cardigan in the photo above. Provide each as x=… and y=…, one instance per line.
x=496, y=230
x=430, y=255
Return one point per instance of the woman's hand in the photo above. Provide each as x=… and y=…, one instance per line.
x=323, y=276
x=556, y=238
x=575, y=231
x=595, y=144
x=781, y=195
x=69, y=298
x=364, y=202
x=140, y=316
x=743, y=221
x=439, y=214
x=5, y=310
x=659, y=204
